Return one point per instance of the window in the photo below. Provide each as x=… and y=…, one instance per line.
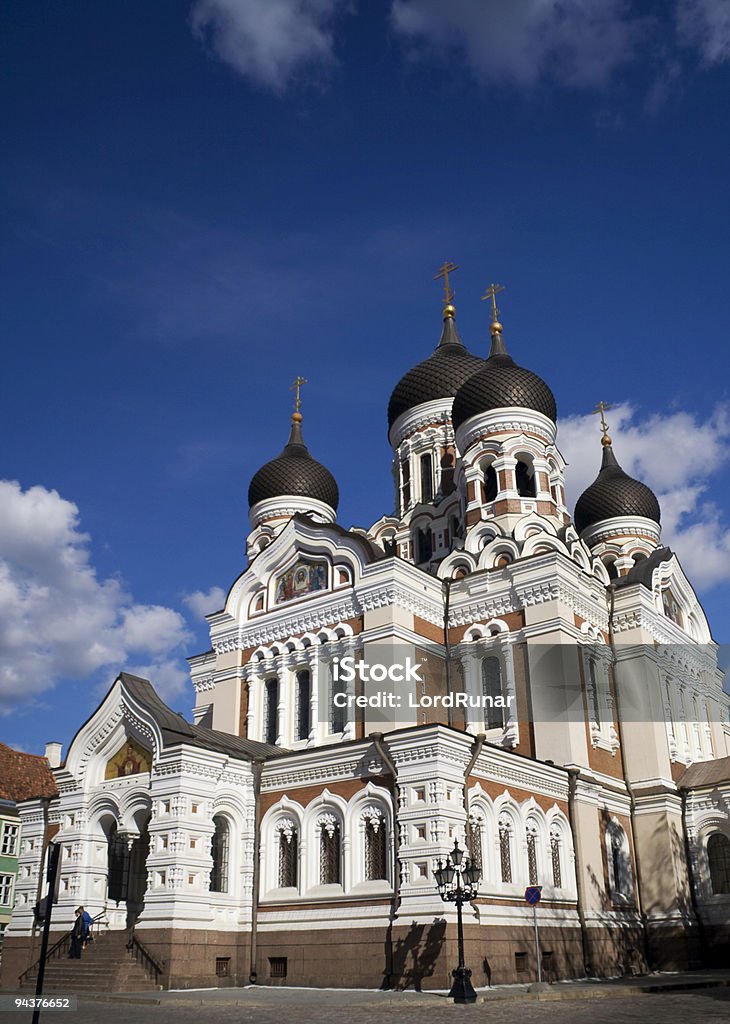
x=593, y=693
x=718, y=856
x=555, y=858
x=304, y=693
x=338, y=715
x=505, y=847
x=375, y=845
x=330, y=872
x=475, y=841
x=525, y=480
x=219, y=849
x=531, y=840
x=271, y=710
x=277, y=966
x=492, y=687
x=406, y=472
x=288, y=854
x=222, y=967
x=426, y=479
x=424, y=545
x=10, y=840
x=6, y=890
x=490, y=484
x=620, y=873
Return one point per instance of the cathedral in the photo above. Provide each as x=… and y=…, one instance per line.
x=483, y=667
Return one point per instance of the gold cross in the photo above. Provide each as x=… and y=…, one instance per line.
x=600, y=410
x=491, y=293
x=444, y=271
x=297, y=386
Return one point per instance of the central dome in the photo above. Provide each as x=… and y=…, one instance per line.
x=499, y=384
x=439, y=376
x=294, y=472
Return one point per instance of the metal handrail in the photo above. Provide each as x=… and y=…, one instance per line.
x=57, y=949
x=144, y=958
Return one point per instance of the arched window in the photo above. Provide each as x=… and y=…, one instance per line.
x=531, y=832
x=492, y=688
x=338, y=711
x=555, y=857
x=595, y=708
x=620, y=873
x=475, y=844
x=375, y=844
x=424, y=545
x=505, y=847
x=525, y=480
x=426, y=479
x=491, y=485
x=406, y=474
x=611, y=569
x=304, y=694
x=288, y=853
x=271, y=710
x=330, y=858
x=718, y=856
x=219, y=850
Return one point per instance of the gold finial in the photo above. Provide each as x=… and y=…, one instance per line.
x=444, y=271
x=297, y=387
x=600, y=410
x=491, y=293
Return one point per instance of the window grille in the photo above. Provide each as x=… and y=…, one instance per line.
x=288, y=855
x=271, y=711
x=531, y=836
x=277, y=966
x=375, y=851
x=718, y=855
x=219, y=850
x=329, y=851
x=475, y=842
x=304, y=693
x=505, y=851
x=222, y=966
x=492, y=687
x=555, y=858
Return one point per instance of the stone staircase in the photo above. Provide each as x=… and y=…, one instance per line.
x=106, y=965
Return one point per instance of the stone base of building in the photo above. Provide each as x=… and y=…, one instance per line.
x=418, y=956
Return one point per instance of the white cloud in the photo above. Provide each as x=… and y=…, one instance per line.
x=268, y=41
x=581, y=42
x=678, y=455
x=705, y=24
x=58, y=620
x=203, y=602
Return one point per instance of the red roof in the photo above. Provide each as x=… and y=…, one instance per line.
x=24, y=776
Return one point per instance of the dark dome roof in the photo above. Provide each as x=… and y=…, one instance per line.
x=614, y=493
x=499, y=384
x=439, y=376
x=294, y=472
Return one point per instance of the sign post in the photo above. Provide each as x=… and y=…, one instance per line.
x=533, y=894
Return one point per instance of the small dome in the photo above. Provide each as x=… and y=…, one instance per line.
x=500, y=384
x=439, y=376
x=294, y=472
x=614, y=493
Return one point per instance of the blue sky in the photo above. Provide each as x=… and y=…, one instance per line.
x=203, y=200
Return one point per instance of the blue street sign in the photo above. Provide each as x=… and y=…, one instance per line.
x=533, y=894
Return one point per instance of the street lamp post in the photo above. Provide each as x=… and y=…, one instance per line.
x=458, y=882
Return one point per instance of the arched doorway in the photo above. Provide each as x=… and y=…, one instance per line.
x=127, y=867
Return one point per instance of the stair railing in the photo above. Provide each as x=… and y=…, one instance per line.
x=57, y=950
x=153, y=968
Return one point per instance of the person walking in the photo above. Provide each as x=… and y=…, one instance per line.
x=88, y=922
x=77, y=936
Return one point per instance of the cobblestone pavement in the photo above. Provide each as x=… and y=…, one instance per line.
x=281, y=1006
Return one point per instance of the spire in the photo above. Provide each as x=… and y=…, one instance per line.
x=295, y=434
x=449, y=333
x=495, y=328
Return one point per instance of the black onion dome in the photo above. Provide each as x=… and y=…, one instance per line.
x=614, y=493
x=500, y=384
x=294, y=472
x=439, y=376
